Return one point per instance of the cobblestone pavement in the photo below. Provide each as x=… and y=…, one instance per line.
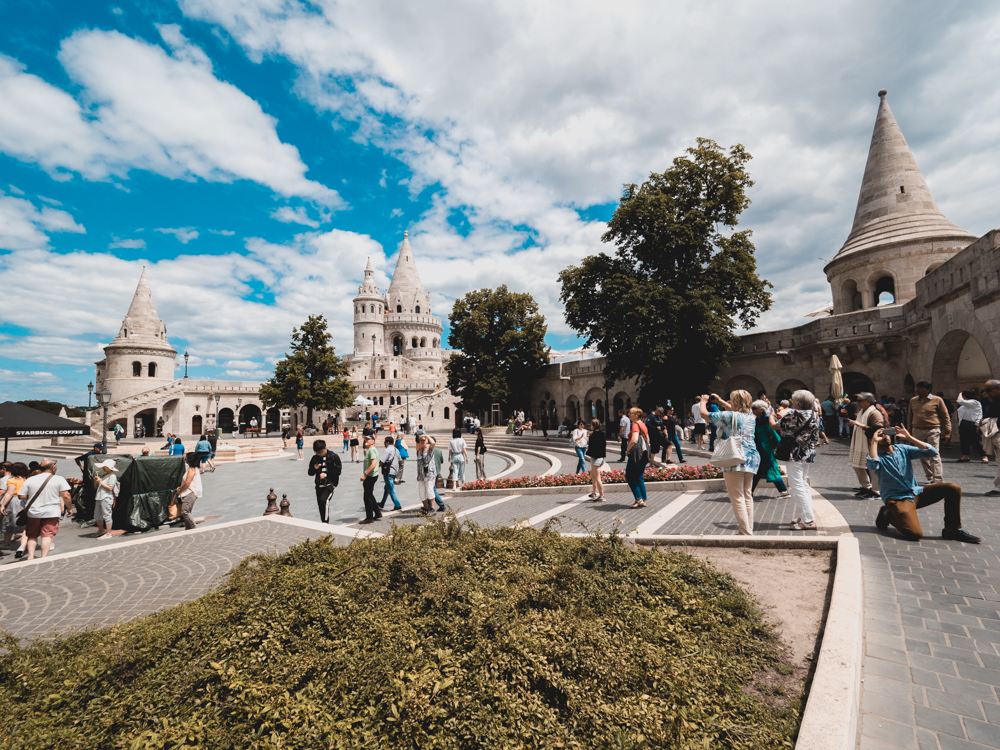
x=128, y=580
x=932, y=616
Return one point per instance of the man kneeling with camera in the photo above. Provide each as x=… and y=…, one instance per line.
x=890, y=452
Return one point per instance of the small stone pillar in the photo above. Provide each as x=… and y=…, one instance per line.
x=272, y=504
x=284, y=506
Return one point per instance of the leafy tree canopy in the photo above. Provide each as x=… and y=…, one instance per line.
x=52, y=407
x=665, y=308
x=312, y=375
x=500, y=338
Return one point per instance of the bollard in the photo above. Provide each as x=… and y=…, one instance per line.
x=272, y=505
x=284, y=506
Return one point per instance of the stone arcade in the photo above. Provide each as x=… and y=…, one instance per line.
x=914, y=298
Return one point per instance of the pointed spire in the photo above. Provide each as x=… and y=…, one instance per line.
x=142, y=324
x=405, y=285
x=895, y=203
x=368, y=288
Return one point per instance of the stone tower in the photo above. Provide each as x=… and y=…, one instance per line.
x=139, y=358
x=369, y=317
x=899, y=234
x=410, y=329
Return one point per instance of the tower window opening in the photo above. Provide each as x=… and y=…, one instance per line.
x=136, y=369
x=902, y=189
x=416, y=309
x=383, y=374
x=373, y=308
x=413, y=342
x=151, y=369
x=399, y=308
x=423, y=343
x=394, y=375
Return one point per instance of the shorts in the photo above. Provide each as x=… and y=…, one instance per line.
x=700, y=428
x=203, y=457
x=299, y=444
x=42, y=527
x=425, y=490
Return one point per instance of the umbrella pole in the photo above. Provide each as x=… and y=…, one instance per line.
x=5, y=439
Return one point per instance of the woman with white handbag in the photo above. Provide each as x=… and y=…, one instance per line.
x=735, y=452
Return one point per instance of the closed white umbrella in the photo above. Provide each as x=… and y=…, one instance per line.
x=837, y=384
x=362, y=401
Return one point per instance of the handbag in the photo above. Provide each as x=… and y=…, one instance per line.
x=784, y=450
x=729, y=451
x=22, y=515
x=640, y=451
x=173, y=511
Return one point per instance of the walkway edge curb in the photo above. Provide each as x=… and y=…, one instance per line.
x=677, y=485
x=830, y=720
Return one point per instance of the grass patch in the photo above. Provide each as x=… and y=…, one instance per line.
x=440, y=636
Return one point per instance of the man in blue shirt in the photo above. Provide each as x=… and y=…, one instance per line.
x=902, y=496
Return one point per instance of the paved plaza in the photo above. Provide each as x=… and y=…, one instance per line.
x=932, y=609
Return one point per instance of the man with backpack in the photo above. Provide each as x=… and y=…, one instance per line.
x=657, y=437
x=389, y=463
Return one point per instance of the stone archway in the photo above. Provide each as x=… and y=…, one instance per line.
x=248, y=412
x=747, y=383
x=788, y=387
x=225, y=421
x=572, y=409
x=959, y=363
x=855, y=382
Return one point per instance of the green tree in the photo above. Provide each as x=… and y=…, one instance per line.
x=312, y=375
x=52, y=407
x=500, y=338
x=665, y=308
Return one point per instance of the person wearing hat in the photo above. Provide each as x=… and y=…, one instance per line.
x=106, y=485
x=98, y=450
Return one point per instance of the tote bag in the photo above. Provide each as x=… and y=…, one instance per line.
x=729, y=452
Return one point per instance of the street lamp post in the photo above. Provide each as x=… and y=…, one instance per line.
x=407, y=409
x=104, y=398
x=239, y=400
x=218, y=427
x=90, y=393
x=185, y=365
x=390, y=400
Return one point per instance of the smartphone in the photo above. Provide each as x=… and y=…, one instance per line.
x=889, y=432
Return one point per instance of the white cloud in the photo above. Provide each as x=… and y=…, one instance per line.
x=142, y=108
x=289, y=215
x=128, y=244
x=523, y=111
x=223, y=232
x=183, y=234
x=24, y=226
x=206, y=301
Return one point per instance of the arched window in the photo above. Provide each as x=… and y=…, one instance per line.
x=423, y=343
x=394, y=375
x=397, y=346
x=151, y=369
x=373, y=309
x=380, y=401
x=435, y=344
x=399, y=308
x=413, y=342
x=125, y=330
x=446, y=412
x=416, y=309
x=136, y=369
x=383, y=374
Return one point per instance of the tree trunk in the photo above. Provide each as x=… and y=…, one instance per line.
x=309, y=414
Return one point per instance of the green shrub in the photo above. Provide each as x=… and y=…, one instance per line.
x=442, y=636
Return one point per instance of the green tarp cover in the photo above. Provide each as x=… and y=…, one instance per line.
x=147, y=485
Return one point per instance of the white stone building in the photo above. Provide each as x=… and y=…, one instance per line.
x=402, y=366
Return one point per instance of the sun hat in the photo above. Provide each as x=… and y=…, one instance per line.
x=107, y=463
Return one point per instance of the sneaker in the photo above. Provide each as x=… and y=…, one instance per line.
x=682, y=462
x=993, y=493
x=592, y=496
x=960, y=535
x=862, y=492
x=20, y=553
x=882, y=519
x=786, y=493
x=600, y=499
x=801, y=525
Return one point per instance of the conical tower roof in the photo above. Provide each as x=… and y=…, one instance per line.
x=405, y=284
x=895, y=204
x=142, y=325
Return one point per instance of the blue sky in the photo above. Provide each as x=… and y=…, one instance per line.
x=253, y=153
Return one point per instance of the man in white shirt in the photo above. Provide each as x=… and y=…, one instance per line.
x=624, y=428
x=970, y=414
x=51, y=499
x=699, y=423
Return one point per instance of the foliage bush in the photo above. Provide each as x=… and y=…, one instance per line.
x=443, y=636
x=615, y=476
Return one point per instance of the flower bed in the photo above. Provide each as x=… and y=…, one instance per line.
x=616, y=476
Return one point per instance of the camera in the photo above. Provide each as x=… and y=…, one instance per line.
x=889, y=432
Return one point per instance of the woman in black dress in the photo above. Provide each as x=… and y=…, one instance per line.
x=597, y=451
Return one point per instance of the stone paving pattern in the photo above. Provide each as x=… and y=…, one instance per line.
x=126, y=581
